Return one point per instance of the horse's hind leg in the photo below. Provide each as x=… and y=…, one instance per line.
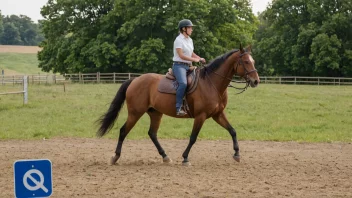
x=155, y=119
x=124, y=130
x=222, y=120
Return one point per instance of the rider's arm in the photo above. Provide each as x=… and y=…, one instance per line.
x=184, y=57
x=196, y=56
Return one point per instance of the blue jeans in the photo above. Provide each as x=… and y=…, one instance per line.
x=180, y=72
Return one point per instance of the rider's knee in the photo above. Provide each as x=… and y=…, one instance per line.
x=182, y=84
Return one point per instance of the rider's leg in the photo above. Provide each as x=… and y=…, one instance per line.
x=180, y=72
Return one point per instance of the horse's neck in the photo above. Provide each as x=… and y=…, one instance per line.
x=220, y=77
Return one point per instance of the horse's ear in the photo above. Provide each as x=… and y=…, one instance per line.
x=249, y=48
x=241, y=48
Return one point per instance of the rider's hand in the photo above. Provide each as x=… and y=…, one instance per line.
x=192, y=68
x=202, y=60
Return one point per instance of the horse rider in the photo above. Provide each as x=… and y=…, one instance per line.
x=182, y=61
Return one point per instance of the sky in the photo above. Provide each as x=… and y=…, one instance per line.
x=31, y=8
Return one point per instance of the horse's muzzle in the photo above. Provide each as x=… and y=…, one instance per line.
x=253, y=83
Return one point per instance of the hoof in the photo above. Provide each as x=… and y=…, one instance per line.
x=186, y=163
x=113, y=160
x=236, y=158
x=167, y=160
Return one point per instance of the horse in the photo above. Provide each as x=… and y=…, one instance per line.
x=208, y=100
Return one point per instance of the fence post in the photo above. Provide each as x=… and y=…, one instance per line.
x=129, y=76
x=114, y=77
x=25, y=90
x=79, y=77
x=295, y=80
x=339, y=81
x=98, y=77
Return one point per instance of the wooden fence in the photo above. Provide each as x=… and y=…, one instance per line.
x=100, y=77
x=121, y=77
x=306, y=80
x=24, y=81
x=32, y=79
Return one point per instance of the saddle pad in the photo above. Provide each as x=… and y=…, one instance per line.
x=169, y=86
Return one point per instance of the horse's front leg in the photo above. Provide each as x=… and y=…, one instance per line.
x=197, y=125
x=222, y=120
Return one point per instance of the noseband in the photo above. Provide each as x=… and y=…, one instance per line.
x=240, y=62
x=245, y=69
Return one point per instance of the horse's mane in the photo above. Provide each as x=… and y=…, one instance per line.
x=215, y=63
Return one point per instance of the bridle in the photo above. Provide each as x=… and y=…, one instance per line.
x=245, y=69
x=240, y=62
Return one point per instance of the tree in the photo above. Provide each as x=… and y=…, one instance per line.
x=1, y=25
x=137, y=35
x=325, y=54
x=80, y=36
x=11, y=35
x=29, y=32
x=307, y=38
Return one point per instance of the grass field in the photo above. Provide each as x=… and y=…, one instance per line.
x=269, y=112
x=16, y=63
x=16, y=60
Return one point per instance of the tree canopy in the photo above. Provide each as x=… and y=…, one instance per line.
x=305, y=38
x=291, y=38
x=137, y=35
x=1, y=25
x=19, y=30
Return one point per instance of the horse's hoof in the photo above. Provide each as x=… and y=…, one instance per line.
x=167, y=160
x=186, y=163
x=236, y=158
x=113, y=160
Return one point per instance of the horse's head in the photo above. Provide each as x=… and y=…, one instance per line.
x=244, y=67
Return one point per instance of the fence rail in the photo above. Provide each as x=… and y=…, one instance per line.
x=121, y=77
x=32, y=79
x=24, y=81
x=100, y=77
x=306, y=80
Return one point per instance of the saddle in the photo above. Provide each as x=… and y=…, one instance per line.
x=168, y=83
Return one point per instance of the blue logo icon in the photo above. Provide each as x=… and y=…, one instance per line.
x=33, y=178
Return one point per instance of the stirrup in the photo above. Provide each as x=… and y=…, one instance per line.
x=181, y=112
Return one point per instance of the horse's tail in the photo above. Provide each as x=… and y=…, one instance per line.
x=108, y=119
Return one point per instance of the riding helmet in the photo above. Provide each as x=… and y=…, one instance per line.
x=185, y=23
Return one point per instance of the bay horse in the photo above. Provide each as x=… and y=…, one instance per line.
x=207, y=101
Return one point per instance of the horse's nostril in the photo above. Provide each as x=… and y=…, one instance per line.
x=256, y=82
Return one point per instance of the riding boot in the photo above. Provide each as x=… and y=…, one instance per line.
x=180, y=112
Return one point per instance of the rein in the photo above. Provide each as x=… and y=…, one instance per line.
x=225, y=77
x=229, y=85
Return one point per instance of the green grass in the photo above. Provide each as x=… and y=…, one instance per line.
x=269, y=112
x=21, y=63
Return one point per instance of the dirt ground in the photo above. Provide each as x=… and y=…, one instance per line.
x=267, y=169
x=19, y=49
